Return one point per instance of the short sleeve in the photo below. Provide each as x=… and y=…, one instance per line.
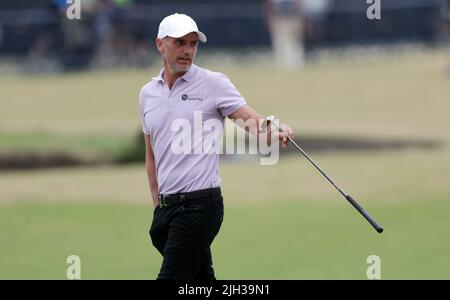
x=227, y=96
x=142, y=112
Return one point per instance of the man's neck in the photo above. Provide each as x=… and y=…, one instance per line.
x=170, y=77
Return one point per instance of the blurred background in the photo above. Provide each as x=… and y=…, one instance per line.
x=366, y=89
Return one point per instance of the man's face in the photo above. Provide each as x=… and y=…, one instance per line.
x=178, y=53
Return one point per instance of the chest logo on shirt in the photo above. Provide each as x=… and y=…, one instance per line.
x=192, y=97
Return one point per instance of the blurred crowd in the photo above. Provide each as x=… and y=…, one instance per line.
x=111, y=32
x=121, y=32
x=289, y=21
x=445, y=15
x=107, y=33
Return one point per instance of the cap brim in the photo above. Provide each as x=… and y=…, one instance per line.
x=201, y=35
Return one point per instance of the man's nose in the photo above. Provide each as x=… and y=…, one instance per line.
x=189, y=49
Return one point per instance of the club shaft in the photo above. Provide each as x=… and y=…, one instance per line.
x=355, y=204
x=318, y=168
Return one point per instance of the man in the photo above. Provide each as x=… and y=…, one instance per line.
x=285, y=19
x=445, y=12
x=186, y=187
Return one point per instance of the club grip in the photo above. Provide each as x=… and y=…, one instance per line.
x=365, y=214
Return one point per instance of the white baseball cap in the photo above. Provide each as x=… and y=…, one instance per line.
x=178, y=25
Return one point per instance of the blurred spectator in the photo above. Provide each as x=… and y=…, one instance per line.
x=285, y=19
x=123, y=38
x=315, y=13
x=445, y=12
x=42, y=44
x=103, y=25
x=119, y=31
x=78, y=36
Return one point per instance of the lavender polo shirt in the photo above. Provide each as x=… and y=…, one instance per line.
x=198, y=92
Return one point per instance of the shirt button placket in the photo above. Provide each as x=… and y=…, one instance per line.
x=169, y=96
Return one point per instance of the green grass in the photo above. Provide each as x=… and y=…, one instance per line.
x=369, y=177
x=292, y=240
x=38, y=237
x=89, y=146
x=323, y=241
x=403, y=96
x=281, y=222
x=400, y=96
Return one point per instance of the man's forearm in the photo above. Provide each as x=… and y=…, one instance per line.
x=253, y=123
x=153, y=183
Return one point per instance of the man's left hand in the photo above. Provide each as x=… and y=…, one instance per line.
x=283, y=136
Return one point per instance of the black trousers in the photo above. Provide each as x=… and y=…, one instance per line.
x=183, y=234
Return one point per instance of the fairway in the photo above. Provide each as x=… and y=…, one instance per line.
x=281, y=222
x=398, y=95
x=292, y=240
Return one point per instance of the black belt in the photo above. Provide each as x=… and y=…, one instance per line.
x=166, y=200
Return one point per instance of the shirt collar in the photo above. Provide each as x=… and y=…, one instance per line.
x=186, y=77
x=160, y=76
x=190, y=73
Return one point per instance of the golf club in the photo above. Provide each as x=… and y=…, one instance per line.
x=352, y=201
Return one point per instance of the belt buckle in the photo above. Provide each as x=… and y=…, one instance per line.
x=161, y=201
x=182, y=198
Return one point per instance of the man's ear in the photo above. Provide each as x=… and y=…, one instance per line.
x=159, y=45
